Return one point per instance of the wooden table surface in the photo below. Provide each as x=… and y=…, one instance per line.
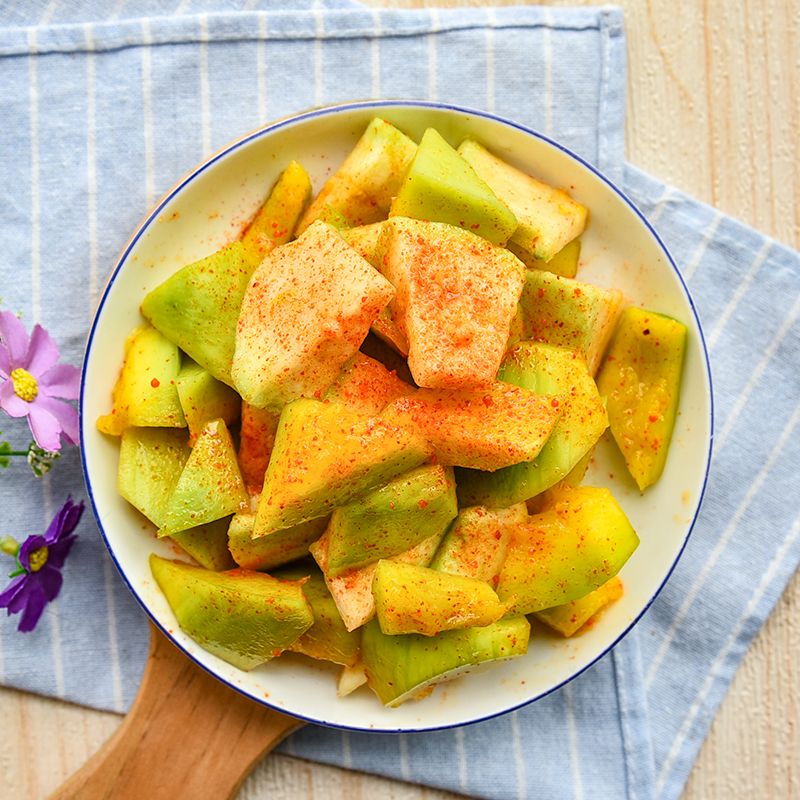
x=714, y=109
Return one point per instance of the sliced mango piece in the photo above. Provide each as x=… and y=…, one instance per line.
x=204, y=398
x=456, y=297
x=275, y=222
x=307, y=309
x=440, y=186
x=547, y=217
x=641, y=378
x=402, y=667
x=326, y=455
x=145, y=394
x=483, y=429
x=364, y=185
x=569, y=618
x=244, y=617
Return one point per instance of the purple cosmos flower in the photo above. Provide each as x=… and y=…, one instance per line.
x=41, y=559
x=32, y=380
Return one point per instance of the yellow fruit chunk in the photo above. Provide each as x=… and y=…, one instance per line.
x=274, y=223
x=570, y=617
x=485, y=429
x=641, y=379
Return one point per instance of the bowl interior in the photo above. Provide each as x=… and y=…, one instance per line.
x=208, y=209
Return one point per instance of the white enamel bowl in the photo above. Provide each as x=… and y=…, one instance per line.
x=208, y=208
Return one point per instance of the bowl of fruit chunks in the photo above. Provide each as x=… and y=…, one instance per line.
x=396, y=415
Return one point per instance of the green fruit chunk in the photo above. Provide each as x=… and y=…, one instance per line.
x=547, y=370
x=485, y=429
x=145, y=394
x=363, y=187
x=276, y=548
x=578, y=542
x=204, y=398
x=570, y=617
x=243, y=617
x=325, y=456
x=391, y=519
x=207, y=544
x=440, y=186
x=476, y=544
x=641, y=378
x=548, y=218
x=570, y=313
x=402, y=667
x=327, y=639
x=412, y=599
x=210, y=486
x=564, y=263
x=306, y=311
x=456, y=297
x=276, y=220
x=197, y=308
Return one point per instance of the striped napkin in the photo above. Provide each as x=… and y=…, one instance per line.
x=105, y=106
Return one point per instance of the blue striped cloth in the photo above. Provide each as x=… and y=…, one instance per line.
x=106, y=105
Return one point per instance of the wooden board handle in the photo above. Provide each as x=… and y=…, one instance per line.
x=187, y=735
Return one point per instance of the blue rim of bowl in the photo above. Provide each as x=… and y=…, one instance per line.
x=378, y=105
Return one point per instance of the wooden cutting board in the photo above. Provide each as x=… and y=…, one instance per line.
x=187, y=735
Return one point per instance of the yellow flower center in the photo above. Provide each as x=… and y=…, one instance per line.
x=38, y=559
x=25, y=386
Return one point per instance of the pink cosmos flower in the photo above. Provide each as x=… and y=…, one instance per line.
x=32, y=380
x=38, y=580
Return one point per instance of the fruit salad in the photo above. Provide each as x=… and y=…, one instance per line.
x=368, y=419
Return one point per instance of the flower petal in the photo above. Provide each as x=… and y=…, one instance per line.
x=34, y=605
x=13, y=406
x=64, y=414
x=45, y=427
x=49, y=580
x=15, y=338
x=42, y=352
x=5, y=362
x=13, y=596
x=58, y=552
x=63, y=380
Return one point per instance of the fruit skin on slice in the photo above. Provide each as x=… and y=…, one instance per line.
x=456, y=297
x=366, y=386
x=392, y=518
x=440, y=186
x=327, y=639
x=548, y=218
x=570, y=313
x=144, y=394
x=277, y=548
x=570, y=617
x=641, y=377
x=578, y=542
x=412, y=599
x=243, y=617
x=544, y=369
x=476, y=543
x=210, y=486
x=483, y=429
x=402, y=667
x=197, y=308
x=325, y=456
x=364, y=185
x=275, y=222
x=307, y=309
x=352, y=590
